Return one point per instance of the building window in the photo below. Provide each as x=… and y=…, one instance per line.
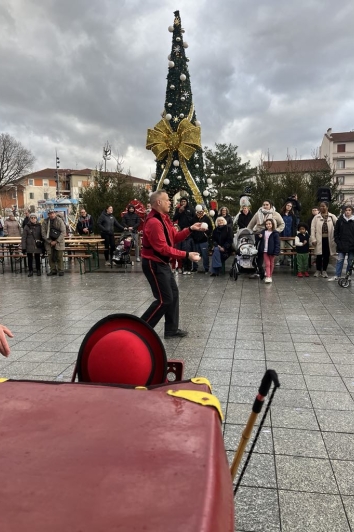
x=13, y=194
x=31, y=195
x=340, y=148
x=31, y=182
x=46, y=195
x=340, y=180
x=45, y=183
x=340, y=198
x=341, y=164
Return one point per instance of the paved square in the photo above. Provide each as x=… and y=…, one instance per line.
x=301, y=475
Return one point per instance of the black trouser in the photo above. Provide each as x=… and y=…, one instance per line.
x=109, y=246
x=165, y=292
x=323, y=260
x=187, y=245
x=259, y=261
x=37, y=258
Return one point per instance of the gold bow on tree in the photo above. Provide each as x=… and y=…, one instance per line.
x=162, y=140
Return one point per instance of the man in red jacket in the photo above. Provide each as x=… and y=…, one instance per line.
x=159, y=239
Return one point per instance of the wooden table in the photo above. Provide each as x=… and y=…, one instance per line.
x=10, y=248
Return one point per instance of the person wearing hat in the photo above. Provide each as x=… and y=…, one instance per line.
x=131, y=222
x=53, y=235
x=106, y=223
x=4, y=346
x=32, y=244
x=159, y=238
x=201, y=238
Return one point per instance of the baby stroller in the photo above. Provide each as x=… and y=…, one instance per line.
x=345, y=282
x=246, y=253
x=121, y=255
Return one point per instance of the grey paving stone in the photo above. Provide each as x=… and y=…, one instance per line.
x=247, y=379
x=335, y=420
x=243, y=394
x=224, y=364
x=339, y=446
x=319, y=369
x=233, y=433
x=305, y=474
x=298, y=442
x=349, y=508
x=312, y=512
x=281, y=356
x=239, y=413
x=260, y=471
x=325, y=383
x=251, y=366
x=332, y=400
x=292, y=368
x=292, y=417
x=305, y=338
x=217, y=353
x=313, y=358
x=344, y=473
x=345, y=370
x=249, y=354
x=292, y=382
x=342, y=358
x=279, y=346
x=257, y=510
x=295, y=398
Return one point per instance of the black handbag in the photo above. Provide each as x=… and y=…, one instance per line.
x=39, y=244
x=54, y=234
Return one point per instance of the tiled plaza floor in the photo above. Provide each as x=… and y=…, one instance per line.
x=301, y=477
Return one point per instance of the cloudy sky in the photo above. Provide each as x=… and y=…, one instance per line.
x=271, y=75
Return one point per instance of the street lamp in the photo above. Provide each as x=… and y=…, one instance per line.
x=107, y=152
x=57, y=163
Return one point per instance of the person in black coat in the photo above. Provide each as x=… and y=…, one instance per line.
x=32, y=244
x=131, y=222
x=106, y=223
x=84, y=224
x=296, y=206
x=200, y=238
x=222, y=245
x=344, y=239
x=243, y=218
x=183, y=216
x=269, y=245
x=224, y=211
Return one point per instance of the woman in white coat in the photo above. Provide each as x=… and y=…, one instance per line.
x=322, y=238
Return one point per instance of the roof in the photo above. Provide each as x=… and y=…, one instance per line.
x=347, y=136
x=292, y=166
x=50, y=173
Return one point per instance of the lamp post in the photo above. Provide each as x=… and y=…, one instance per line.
x=107, y=152
x=57, y=163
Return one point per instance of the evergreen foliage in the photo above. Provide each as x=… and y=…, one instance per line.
x=279, y=187
x=110, y=188
x=175, y=140
x=230, y=176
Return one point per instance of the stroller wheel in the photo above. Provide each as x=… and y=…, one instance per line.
x=343, y=282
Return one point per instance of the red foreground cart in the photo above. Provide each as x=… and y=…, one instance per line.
x=83, y=457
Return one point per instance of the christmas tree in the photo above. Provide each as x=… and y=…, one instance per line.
x=176, y=139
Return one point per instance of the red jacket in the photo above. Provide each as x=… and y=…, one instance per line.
x=154, y=238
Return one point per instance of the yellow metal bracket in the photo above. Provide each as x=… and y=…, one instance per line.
x=3, y=380
x=202, y=398
x=201, y=380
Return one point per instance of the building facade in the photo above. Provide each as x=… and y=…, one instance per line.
x=338, y=149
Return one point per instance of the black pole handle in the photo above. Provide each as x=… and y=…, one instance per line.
x=269, y=377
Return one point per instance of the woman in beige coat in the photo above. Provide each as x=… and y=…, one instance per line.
x=322, y=238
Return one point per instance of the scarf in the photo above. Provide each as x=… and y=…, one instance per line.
x=263, y=213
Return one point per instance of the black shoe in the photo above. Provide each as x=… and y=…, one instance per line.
x=39, y=273
x=52, y=273
x=30, y=274
x=61, y=274
x=214, y=275
x=177, y=334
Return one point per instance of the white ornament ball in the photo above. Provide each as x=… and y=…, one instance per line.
x=172, y=87
x=176, y=163
x=169, y=105
x=153, y=175
x=197, y=165
x=213, y=175
x=197, y=123
x=183, y=30
x=168, y=117
x=204, y=226
x=183, y=77
x=179, y=177
x=170, y=29
x=178, y=39
x=181, y=115
x=185, y=44
x=206, y=193
x=209, y=180
x=169, y=57
x=166, y=181
x=198, y=208
x=182, y=98
x=211, y=212
x=171, y=64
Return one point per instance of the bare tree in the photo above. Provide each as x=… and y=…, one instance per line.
x=15, y=160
